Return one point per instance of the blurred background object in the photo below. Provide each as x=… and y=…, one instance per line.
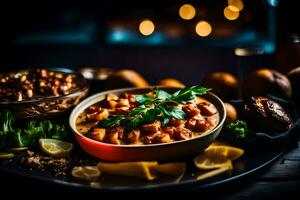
x=181, y=39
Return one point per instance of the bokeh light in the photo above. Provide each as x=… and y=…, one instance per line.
x=236, y=3
x=146, y=27
x=203, y=28
x=231, y=13
x=187, y=12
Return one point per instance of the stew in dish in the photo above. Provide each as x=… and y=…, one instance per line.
x=155, y=117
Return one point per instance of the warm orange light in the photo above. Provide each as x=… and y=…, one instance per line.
x=236, y=3
x=187, y=12
x=203, y=28
x=146, y=27
x=231, y=13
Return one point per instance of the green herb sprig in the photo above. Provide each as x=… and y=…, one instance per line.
x=238, y=128
x=162, y=107
x=12, y=136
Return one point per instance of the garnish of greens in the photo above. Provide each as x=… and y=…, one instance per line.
x=238, y=128
x=12, y=136
x=161, y=107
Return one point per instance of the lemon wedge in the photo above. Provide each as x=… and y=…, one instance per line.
x=88, y=173
x=213, y=173
x=141, y=169
x=5, y=155
x=211, y=160
x=16, y=149
x=229, y=152
x=55, y=148
x=171, y=169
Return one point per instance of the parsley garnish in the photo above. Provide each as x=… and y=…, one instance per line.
x=238, y=128
x=159, y=108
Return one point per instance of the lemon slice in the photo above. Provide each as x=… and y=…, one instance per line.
x=88, y=173
x=141, y=169
x=16, y=149
x=211, y=160
x=229, y=152
x=213, y=173
x=171, y=169
x=218, y=143
x=55, y=148
x=5, y=155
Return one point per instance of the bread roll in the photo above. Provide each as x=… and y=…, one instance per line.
x=267, y=81
x=125, y=78
x=224, y=84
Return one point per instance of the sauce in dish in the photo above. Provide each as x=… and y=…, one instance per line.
x=152, y=118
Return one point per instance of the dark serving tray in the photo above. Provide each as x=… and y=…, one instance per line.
x=247, y=165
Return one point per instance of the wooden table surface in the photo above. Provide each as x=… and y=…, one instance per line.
x=280, y=181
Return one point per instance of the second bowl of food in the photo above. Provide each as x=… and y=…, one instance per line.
x=40, y=92
x=148, y=123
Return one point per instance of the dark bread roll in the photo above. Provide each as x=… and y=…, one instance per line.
x=231, y=113
x=223, y=84
x=267, y=114
x=267, y=81
x=125, y=78
x=171, y=82
x=294, y=77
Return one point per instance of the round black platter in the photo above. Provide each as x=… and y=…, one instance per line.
x=249, y=164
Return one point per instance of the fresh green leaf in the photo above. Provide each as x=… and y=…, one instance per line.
x=137, y=111
x=133, y=124
x=238, y=128
x=165, y=121
x=11, y=136
x=143, y=99
x=59, y=132
x=176, y=113
x=6, y=128
x=162, y=95
x=188, y=94
x=111, y=121
x=149, y=116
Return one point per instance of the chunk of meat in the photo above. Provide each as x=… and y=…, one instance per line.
x=191, y=110
x=121, y=111
x=131, y=98
x=157, y=138
x=112, y=138
x=133, y=136
x=202, y=125
x=176, y=122
x=97, y=133
x=152, y=128
x=111, y=97
x=98, y=115
x=161, y=138
x=112, y=104
x=111, y=100
x=117, y=129
x=207, y=108
x=181, y=133
x=169, y=130
x=123, y=103
x=190, y=124
x=92, y=109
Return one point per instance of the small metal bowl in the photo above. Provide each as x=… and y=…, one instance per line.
x=166, y=151
x=96, y=76
x=51, y=106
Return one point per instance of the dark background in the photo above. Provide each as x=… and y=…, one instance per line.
x=56, y=34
